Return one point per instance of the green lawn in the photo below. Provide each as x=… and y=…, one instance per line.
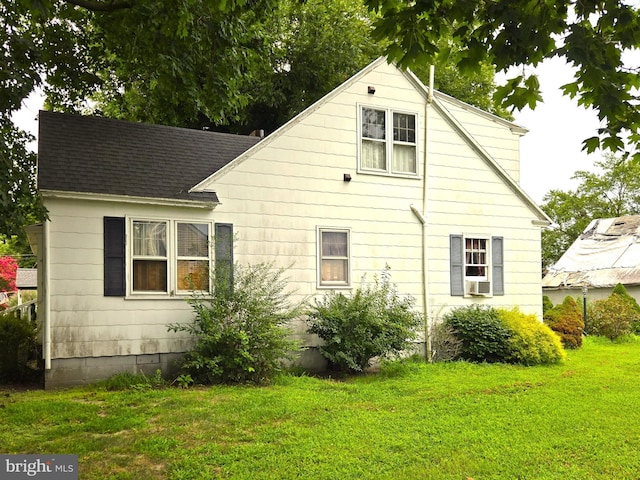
x=577, y=420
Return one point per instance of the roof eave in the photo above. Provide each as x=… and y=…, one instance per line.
x=104, y=197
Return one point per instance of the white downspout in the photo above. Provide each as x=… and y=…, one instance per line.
x=425, y=238
x=47, y=296
x=423, y=220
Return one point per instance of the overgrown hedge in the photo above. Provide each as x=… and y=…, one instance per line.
x=18, y=348
x=488, y=334
x=373, y=321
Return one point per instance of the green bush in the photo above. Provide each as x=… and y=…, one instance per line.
x=620, y=290
x=241, y=333
x=18, y=348
x=612, y=317
x=483, y=335
x=372, y=322
x=547, y=304
x=566, y=320
x=531, y=342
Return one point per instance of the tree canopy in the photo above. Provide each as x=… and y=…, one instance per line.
x=592, y=35
x=234, y=65
x=612, y=191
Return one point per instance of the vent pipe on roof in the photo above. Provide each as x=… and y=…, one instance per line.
x=432, y=70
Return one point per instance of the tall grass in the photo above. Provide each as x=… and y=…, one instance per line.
x=575, y=420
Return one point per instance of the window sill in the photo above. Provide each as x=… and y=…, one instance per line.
x=166, y=296
x=380, y=173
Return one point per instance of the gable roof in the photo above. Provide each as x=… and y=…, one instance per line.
x=97, y=155
x=27, y=278
x=605, y=254
x=438, y=100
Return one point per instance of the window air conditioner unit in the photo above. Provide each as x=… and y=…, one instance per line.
x=475, y=287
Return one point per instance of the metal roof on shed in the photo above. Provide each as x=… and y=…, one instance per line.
x=605, y=254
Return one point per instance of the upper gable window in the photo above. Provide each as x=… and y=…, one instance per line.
x=388, y=142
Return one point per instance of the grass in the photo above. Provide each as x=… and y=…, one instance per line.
x=576, y=420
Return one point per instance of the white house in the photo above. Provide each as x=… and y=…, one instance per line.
x=378, y=172
x=605, y=254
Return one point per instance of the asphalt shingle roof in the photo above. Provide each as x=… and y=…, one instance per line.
x=105, y=156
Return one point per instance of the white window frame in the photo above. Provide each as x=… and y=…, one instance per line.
x=389, y=142
x=487, y=252
x=328, y=284
x=468, y=279
x=179, y=257
x=172, y=256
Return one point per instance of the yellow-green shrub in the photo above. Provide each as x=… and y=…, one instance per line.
x=531, y=342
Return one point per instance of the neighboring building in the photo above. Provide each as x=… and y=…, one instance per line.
x=605, y=254
x=26, y=280
x=378, y=172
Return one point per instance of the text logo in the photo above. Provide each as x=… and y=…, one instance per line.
x=50, y=467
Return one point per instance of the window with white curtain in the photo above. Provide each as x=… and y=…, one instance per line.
x=388, y=142
x=149, y=256
x=169, y=256
x=476, y=262
x=333, y=257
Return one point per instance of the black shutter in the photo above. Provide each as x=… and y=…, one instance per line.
x=114, y=257
x=456, y=265
x=497, y=265
x=223, y=258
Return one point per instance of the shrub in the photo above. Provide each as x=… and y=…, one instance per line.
x=547, y=304
x=445, y=346
x=241, y=333
x=372, y=322
x=612, y=317
x=482, y=334
x=531, y=342
x=18, y=348
x=620, y=290
x=566, y=320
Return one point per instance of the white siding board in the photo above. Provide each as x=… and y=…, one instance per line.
x=291, y=184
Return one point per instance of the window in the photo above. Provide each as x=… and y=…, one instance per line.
x=476, y=265
x=193, y=256
x=161, y=257
x=475, y=254
x=377, y=154
x=149, y=256
x=334, y=257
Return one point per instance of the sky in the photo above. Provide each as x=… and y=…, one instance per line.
x=550, y=153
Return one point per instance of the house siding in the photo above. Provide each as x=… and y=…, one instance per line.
x=278, y=194
x=84, y=322
x=465, y=196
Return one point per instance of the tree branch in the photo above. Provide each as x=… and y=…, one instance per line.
x=102, y=6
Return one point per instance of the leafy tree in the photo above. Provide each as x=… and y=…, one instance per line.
x=19, y=202
x=233, y=65
x=590, y=35
x=313, y=47
x=8, y=269
x=611, y=192
x=475, y=89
